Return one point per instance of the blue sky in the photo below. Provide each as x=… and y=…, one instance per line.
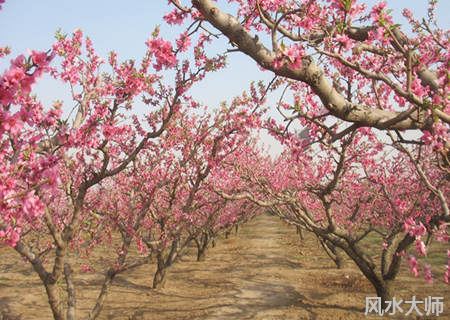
x=124, y=26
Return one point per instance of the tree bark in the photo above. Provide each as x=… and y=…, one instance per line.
x=310, y=73
x=54, y=301
x=382, y=286
x=159, y=278
x=333, y=253
x=47, y=278
x=201, y=254
x=71, y=298
x=383, y=289
x=109, y=277
x=300, y=233
x=160, y=274
x=202, y=245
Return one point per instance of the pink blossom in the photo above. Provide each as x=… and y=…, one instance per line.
x=294, y=55
x=407, y=13
x=163, y=53
x=402, y=205
x=39, y=58
x=420, y=247
x=86, y=268
x=428, y=274
x=277, y=62
x=413, y=265
x=441, y=234
x=141, y=247
x=378, y=12
x=183, y=42
x=437, y=138
x=447, y=274
x=12, y=124
x=4, y=51
x=175, y=17
x=344, y=41
x=32, y=206
x=415, y=230
x=11, y=235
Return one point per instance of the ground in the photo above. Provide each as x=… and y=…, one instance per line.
x=263, y=272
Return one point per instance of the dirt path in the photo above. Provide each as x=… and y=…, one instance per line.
x=264, y=272
x=257, y=273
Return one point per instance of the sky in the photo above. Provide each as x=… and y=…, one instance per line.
x=124, y=26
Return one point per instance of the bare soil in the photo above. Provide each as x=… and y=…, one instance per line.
x=263, y=272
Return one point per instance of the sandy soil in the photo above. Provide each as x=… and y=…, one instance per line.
x=264, y=272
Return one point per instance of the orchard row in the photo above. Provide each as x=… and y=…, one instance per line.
x=136, y=164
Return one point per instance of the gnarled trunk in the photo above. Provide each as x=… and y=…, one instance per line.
x=383, y=289
x=300, y=233
x=333, y=253
x=381, y=285
x=55, y=301
x=201, y=253
x=164, y=261
x=202, y=245
x=109, y=277
x=159, y=278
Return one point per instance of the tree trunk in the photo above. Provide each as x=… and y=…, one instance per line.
x=332, y=252
x=202, y=245
x=300, y=233
x=339, y=260
x=71, y=299
x=55, y=301
x=367, y=267
x=337, y=256
x=109, y=277
x=201, y=254
x=382, y=286
x=48, y=279
x=160, y=278
x=160, y=274
x=383, y=289
x=201, y=250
